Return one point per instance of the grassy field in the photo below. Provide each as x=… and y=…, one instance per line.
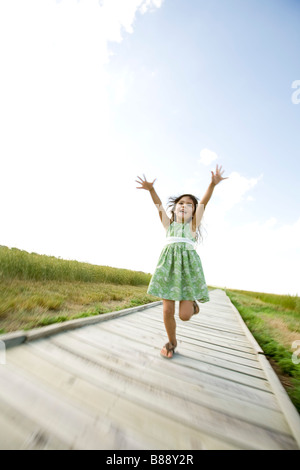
x=274, y=321
x=37, y=290
x=18, y=264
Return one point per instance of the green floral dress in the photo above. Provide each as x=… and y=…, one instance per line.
x=179, y=274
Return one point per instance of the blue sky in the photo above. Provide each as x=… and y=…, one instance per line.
x=95, y=93
x=222, y=79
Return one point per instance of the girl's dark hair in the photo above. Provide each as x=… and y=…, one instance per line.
x=173, y=200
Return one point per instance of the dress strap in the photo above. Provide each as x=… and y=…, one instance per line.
x=170, y=240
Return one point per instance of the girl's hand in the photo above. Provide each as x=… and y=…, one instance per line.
x=145, y=184
x=217, y=177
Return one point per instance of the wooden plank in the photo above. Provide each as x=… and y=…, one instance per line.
x=157, y=321
x=20, y=432
x=128, y=425
x=237, y=363
x=156, y=333
x=176, y=385
x=105, y=386
x=143, y=354
x=135, y=392
x=212, y=347
x=193, y=352
x=201, y=318
x=53, y=412
x=148, y=355
x=105, y=361
x=220, y=332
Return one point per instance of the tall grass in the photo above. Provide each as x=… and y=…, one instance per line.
x=26, y=304
x=19, y=264
x=290, y=302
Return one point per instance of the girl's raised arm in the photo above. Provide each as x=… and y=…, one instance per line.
x=149, y=187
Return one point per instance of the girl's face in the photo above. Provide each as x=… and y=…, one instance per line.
x=184, y=209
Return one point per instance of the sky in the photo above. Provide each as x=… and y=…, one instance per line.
x=95, y=93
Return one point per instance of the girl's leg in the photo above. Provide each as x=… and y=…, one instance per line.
x=187, y=308
x=170, y=324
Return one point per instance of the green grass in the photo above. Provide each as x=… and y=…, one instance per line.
x=18, y=264
x=38, y=290
x=30, y=304
x=274, y=321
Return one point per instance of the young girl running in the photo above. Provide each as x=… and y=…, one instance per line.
x=179, y=275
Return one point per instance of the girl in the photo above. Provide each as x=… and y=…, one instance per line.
x=179, y=274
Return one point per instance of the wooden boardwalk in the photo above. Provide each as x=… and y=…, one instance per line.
x=105, y=386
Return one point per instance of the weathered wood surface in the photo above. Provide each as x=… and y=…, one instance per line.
x=105, y=386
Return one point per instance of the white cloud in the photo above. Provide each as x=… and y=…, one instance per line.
x=119, y=85
x=120, y=14
x=257, y=256
x=233, y=191
x=207, y=156
x=227, y=194
x=150, y=4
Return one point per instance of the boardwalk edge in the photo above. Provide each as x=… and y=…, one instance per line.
x=290, y=412
x=21, y=336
